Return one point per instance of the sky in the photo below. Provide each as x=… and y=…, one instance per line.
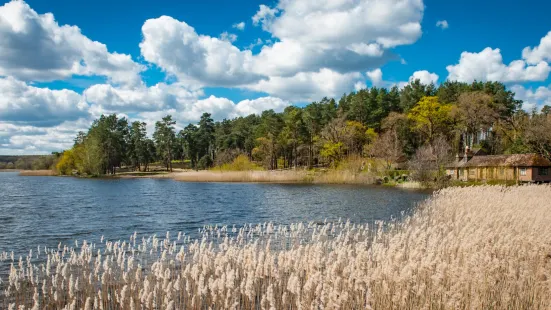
x=64, y=63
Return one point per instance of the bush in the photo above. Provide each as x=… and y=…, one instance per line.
x=240, y=163
x=226, y=157
x=204, y=163
x=354, y=164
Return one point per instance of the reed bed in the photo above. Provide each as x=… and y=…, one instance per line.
x=464, y=248
x=37, y=173
x=286, y=176
x=251, y=176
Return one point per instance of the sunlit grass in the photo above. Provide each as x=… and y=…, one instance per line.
x=465, y=248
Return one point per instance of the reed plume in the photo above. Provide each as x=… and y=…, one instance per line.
x=463, y=248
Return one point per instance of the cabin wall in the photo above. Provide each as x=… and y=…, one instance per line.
x=526, y=176
x=490, y=174
x=532, y=174
x=537, y=175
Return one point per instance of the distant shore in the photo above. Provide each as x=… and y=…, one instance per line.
x=277, y=176
x=327, y=176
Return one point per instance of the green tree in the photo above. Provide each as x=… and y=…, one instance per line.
x=475, y=113
x=165, y=139
x=296, y=129
x=205, y=136
x=270, y=126
x=413, y=92
x=189, y=138
x=137, y=149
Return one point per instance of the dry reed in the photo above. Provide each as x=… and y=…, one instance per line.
x=464, y=248
x=286, y=176
x=37, y=173
x=251, y=176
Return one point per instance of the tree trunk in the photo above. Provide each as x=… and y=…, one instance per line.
x=310, y=152
x=295, y=153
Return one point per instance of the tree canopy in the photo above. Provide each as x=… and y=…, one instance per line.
x=391, y=124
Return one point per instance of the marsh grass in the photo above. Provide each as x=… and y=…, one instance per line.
x=251, y=176
x=329, y=176
x=485, y=247
x=37, y=173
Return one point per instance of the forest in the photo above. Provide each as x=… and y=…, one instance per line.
x=416, y=123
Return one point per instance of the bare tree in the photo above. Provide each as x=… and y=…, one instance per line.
x=538, y=134
x=387, y=147
x=429, y=162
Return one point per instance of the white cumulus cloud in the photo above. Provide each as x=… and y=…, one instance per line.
x=376, y=77
x=175, y=47
x=34, y=47
x=105, y=98
x=309, y=86
x=488, y=66
x=24, y=104
x=532, y=98
x=264, y=15
x=344, y=22
x=344, y=35
x=542, y=52
x=424, y=77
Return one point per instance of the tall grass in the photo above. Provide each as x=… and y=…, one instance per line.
x=286, y=176
x=464, y=248
x=38, y=173
x=251, y=176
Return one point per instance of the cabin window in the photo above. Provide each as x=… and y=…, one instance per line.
x=501, y=171
x=543, y=171
x=523, y=171
x=472, y=172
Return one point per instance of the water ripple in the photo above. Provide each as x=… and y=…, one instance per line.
x=44, y=211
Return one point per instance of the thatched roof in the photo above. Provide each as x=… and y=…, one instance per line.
x=514, y=160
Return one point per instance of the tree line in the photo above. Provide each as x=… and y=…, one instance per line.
x=416, y=122
x=28, y=162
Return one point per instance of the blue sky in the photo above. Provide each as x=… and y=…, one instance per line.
x=125, y=58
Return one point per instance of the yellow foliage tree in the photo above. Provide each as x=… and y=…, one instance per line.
x=66, y=163
x=430, y=117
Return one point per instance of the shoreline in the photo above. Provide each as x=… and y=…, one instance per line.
x=298, y=177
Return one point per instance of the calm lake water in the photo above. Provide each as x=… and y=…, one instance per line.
x=47, y=210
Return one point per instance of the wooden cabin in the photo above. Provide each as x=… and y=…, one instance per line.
x=516, y=167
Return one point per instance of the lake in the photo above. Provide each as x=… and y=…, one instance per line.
x=47, y=210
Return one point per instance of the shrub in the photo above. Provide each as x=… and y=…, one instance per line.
x=240, y=163
x=226, y=157
x=66, y=163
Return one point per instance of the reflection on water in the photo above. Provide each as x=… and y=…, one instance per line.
x=48, y=210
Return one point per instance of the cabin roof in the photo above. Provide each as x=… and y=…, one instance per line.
x=513, y=160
